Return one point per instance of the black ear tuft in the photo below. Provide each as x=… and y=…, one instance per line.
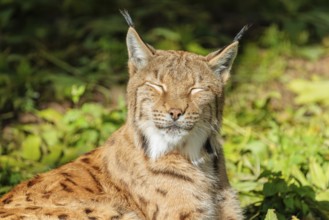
x=241, y=32
x=127, y=17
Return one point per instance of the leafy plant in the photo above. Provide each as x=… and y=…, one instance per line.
x=271, y=215
x=289, y=199
x=55, y=140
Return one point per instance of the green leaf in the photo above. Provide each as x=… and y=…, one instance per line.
x=247, y=186
x=289, y=203
x=323, y=196
x=277, y=186
x=77, y=91
x=196, y=48
x=257, y=147
x=310, y=91
x=312, y=53
x=268, y=189
x=53, y=156
x=72, y=115
x=299, y=176
x=51, y=136
x=94, y=109
x=9, y=161
x=4, y=189
x=24, y=68
x=166, y=33
x=50, y=115
x=31, y=147
x=317, y=175
x=270, y=215
x=70, y=154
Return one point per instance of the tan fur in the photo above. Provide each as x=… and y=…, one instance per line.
x=181, y=95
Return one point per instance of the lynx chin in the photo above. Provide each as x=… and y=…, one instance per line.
x=165, y=162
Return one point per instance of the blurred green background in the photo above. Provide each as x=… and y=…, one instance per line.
x=63, y=74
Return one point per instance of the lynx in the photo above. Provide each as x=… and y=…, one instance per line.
x=165, y=162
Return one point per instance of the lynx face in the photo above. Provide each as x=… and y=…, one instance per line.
x=175, y=97
x=176, y=103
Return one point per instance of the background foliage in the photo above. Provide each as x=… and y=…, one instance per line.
x=63, y=71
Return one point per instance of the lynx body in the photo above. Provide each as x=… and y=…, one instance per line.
x=166, y=162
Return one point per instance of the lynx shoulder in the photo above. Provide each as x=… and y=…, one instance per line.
x=166, y=162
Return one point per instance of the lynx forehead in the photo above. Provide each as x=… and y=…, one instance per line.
x=165, y=162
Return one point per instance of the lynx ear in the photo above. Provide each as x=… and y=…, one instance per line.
x=139, y=52
x=221, y=61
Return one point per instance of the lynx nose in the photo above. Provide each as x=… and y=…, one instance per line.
x=175, y=113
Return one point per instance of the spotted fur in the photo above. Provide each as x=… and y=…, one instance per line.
x=166, y=162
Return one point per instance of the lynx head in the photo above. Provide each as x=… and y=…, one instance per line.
x=175, y=98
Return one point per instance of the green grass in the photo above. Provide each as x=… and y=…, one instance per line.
x=276, y=134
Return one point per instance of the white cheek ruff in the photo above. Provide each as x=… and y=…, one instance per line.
x=195, y=142
x=160, y=142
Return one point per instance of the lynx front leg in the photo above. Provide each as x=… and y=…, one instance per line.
x=228, y=202
x=229, y=206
